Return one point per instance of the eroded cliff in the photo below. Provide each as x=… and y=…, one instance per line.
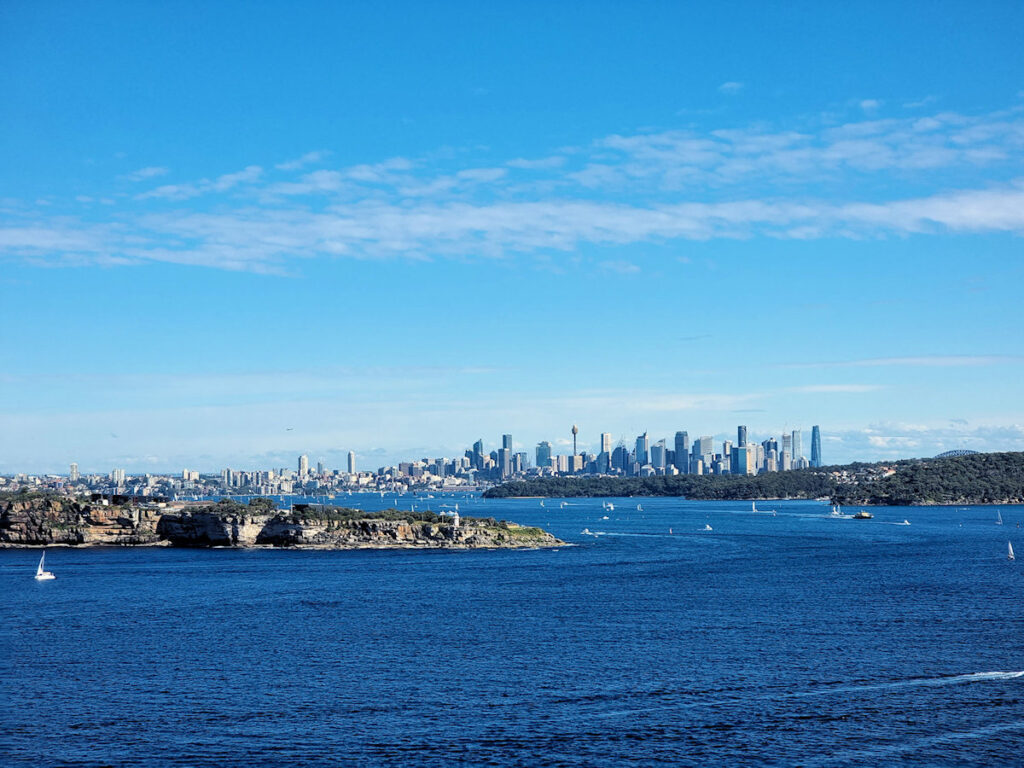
x=47, y=520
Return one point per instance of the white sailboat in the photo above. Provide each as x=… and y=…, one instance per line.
x=999, y=518
x=1009, y=552
x=43, y=575
x=753, y=506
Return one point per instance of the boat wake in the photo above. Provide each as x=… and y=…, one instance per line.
x=974, y=677
x=715, y=698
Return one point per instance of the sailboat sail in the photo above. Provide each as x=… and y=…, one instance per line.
x=999, y=518
x=1009, y=553
x=41, y=573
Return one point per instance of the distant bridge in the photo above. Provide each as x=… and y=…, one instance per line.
x=957, y=452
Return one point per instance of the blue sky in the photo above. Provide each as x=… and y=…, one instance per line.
x=235, y=232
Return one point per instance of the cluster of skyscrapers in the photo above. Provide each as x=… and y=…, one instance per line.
x=699, y=457
x=477, y=468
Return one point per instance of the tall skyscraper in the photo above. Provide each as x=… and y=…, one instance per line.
x=73, y=475
x=682, y=452
x=815, y=446
x=351, y=462
x=798, y=450
x=642, y=449
x=744, y=463
x=704, y=446
x=543, y=454
x=620, y=458
x=606, y=442
x=478, y=454
x=303, y=465
x=658, y=451
x=506, y=442
x=741, y=436
x=320, y=468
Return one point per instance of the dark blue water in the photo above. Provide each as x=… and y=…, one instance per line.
x=792, y=639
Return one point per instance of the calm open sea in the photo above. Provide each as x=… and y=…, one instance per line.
x=789, y=639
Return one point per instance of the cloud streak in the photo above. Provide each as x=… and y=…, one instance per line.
x=919, y=361
x=647, y=187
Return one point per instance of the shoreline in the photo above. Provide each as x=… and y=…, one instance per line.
x=273, y=548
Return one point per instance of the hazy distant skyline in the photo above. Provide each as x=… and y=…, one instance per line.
x=232, y=234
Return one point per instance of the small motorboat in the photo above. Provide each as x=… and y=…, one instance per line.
x=862, y=515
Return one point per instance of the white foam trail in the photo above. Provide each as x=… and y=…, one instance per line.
x=974, y=677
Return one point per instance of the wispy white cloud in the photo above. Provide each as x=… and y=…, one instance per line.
x=731, y=87
x=928, y=361
x=620, y=266
x=143, y=174
x=834, y=388
x=306, y=159
x=918, y=103
x=543, y=163
x=901, y=440
x=644, y=187
x=260, y=239
x=223, y=183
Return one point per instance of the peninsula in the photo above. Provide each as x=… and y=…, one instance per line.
x=45, y=519
x=981, y=478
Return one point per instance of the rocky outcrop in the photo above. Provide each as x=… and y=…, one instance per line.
x=209, y=529
x=294, y=530
x=40, y=520
x=51, y=520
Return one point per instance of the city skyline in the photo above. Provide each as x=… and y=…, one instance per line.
x=345, y=458
x=337, y=239
x=475, y=468
x=505, y=453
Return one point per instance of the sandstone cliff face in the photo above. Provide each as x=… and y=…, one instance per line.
x=49, y=521
x=291, y=530
x=54, y=520
x=207, y=529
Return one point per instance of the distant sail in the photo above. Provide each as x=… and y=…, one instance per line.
x=1009, y=554
x=999, y=518
x=41, y=573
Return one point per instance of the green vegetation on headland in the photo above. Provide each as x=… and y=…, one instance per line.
x=983, y=478
x=324, y=513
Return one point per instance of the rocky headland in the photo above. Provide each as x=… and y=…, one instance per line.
x=40, y=520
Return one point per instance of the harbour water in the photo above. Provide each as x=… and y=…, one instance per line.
x=793, y=638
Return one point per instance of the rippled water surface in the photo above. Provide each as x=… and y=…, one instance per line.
x=790, y=638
